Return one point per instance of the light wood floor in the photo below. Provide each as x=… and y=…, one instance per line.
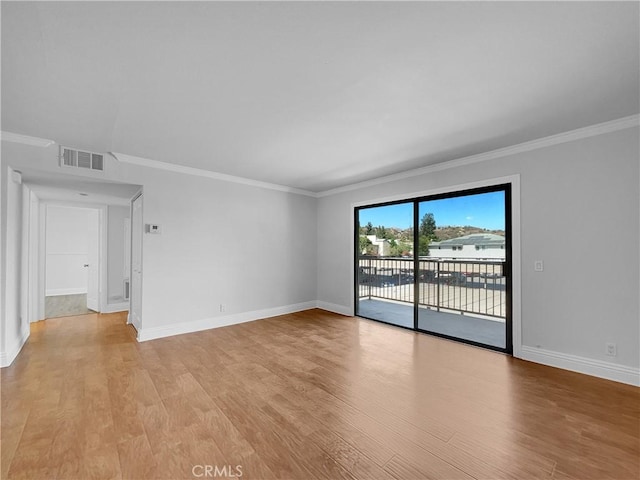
x=302, y=396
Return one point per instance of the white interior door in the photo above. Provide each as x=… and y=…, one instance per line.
x=135, y=305
x=93, y=261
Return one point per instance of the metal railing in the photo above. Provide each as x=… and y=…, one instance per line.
x=469, y=286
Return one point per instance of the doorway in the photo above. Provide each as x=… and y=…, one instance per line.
x=72, y=260
x=439, y=264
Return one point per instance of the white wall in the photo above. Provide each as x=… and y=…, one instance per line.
x=575, y=196
x=249, y=248
x=15, y=326
x=3, y=272
x=116, y=249
x=67, y=247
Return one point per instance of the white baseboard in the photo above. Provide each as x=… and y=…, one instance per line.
x=153, y=333
x=588, y=366
x=116, y=307
x=335, y=308
x=65, y=291
x=7, y=358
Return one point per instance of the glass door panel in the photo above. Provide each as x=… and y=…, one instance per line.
x=462, y=256
x=385, y=276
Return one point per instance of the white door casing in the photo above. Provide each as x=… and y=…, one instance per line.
x=135, y=306
x=93, y=261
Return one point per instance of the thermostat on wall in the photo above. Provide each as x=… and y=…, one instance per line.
x=152, y=228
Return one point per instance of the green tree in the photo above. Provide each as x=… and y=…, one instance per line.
x=381, y=232
x=372, y=250
x=428, y=227
x=407, y=235
x=368, y=229
x=423, y=246
x=399, y=249
x=364, y=243
x=426, y=233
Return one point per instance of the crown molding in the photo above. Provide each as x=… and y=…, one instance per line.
x=171, y=167
x=570, y=136
x=26, y=139
x=580, y=133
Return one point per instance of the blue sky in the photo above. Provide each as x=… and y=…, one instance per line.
x=485, y=210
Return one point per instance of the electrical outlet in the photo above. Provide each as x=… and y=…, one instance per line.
x=612, y=349
x=222, y=307
x=538, y=266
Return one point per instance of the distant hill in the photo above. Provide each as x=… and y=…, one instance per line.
x=443, y=233
x=446, y=233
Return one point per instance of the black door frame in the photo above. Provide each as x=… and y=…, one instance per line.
x=508, y=266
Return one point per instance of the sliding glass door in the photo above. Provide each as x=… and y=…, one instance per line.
x=438, y=264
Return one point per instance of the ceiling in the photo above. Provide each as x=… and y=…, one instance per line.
x=314, y=95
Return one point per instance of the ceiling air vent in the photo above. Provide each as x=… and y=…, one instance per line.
x=80, y=159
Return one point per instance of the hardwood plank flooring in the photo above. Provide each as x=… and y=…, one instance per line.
x=311, y=395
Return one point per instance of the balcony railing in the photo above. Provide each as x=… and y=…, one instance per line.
x=468, y=286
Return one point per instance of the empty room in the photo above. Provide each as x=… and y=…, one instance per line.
x=318, y=240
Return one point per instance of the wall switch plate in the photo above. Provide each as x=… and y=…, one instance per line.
x=222, y=307
x=152, y=228
x=538, y=266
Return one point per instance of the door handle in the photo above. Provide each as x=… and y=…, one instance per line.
x=86, y=265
